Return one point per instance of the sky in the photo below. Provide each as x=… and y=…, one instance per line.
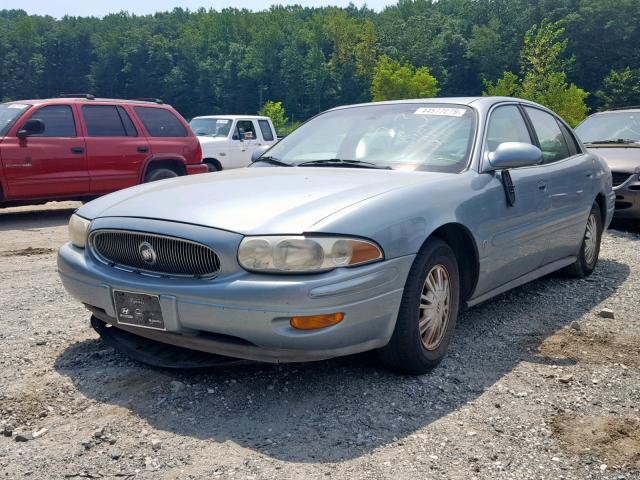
x=99, y=8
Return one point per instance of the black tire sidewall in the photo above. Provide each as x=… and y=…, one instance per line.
x=405, y=350
x=159, y=174
x=212, y=166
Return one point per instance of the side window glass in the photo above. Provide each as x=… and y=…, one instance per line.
x=129, y=127
x=243, y=127
x=265, y=128
x=506, y=125
x=571, y=140
x=161, y=122
x=552, y=143
x=58, y=121
x=103, y=121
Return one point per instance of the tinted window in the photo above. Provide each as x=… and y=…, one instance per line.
x=506, y=125
x=572, y=143
x=552, y=143
x=58, y=121
x=265, y=128
x=107, y=121
x=242, y=127
x=161, y=122
x=128, y=124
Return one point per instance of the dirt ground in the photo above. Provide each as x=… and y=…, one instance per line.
x=537, y=385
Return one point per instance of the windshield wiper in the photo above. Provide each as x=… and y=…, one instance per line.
x=621, y=141
x=338, y=162
x=273, y=161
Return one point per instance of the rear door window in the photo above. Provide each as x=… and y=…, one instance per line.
x=506, y=125
x=58, y=121
x=265, y=128
x=552, y=142
x=107, y=121
x=161, y=122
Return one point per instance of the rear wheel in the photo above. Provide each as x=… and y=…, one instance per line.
x=159, y=174
x=590, y=248
x=428, y=312
x=212, y=165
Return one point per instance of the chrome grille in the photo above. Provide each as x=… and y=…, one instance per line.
x=157, y=254
x=619, y=178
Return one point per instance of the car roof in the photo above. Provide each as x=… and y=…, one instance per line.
x=87, y=101
x=633, y=109
x=233, y=117
x=478, y=102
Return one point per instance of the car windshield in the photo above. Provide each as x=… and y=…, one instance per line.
x=9, y=113
x=212, y=127
x=618, y=127
x=404, y=136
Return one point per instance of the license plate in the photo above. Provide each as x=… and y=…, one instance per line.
x=138, y=309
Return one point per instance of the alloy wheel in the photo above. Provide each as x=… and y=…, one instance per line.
x=435, y=306
x=591, y=240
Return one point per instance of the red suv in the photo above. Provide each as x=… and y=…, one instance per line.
x=80, y=147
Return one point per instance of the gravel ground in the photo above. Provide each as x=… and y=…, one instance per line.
x=537, y=385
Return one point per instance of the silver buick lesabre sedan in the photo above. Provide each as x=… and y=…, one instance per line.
x=369, y=227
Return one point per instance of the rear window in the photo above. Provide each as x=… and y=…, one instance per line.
x=265, y=128
x=161, y=122
x=107, y=121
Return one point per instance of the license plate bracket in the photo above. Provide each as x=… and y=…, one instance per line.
x=138, y=309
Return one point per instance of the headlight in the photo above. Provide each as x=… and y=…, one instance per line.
x=78, y=228
x=301, y=254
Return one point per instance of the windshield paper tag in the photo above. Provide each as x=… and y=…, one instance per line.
x=446, y=112
x=19, y=106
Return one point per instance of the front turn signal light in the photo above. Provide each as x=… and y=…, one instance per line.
x=314, y=322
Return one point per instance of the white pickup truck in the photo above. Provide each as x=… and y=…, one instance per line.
x=229, y=140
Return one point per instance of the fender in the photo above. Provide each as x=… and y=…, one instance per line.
x=159, y=157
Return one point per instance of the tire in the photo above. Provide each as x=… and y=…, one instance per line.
x=590, y=247
x=159, y=174
x=408, y=351
x=212, y=165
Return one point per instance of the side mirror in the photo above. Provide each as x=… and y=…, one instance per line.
x=514, y=155
x=32, y=126
x=257, y=153
x=247, y=136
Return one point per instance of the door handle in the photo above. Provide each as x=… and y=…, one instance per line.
x=143, y=149
x=77, y=150
x=542, y=186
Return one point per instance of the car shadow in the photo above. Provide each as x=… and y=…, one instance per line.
x=342, y=408
x=34, y=218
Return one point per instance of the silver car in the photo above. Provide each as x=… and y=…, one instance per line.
x=369, y=227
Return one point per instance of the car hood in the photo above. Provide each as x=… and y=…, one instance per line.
x=621, y=158
x=255, y=200
x=209, y=139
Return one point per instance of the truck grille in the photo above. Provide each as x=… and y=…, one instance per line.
x=156, y=254
x=619, y=178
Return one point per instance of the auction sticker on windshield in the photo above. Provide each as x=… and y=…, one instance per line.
x=19, y=106
x=446, y=112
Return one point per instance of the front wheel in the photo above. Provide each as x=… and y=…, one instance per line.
x=428, y=312
x=590, y=247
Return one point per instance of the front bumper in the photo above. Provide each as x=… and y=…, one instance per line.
x=246, y=315
x=628, y=198
x=196, y=168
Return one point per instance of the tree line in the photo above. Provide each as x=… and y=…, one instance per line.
x=581, y=54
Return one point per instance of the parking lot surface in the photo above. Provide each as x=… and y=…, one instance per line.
x=539, y=384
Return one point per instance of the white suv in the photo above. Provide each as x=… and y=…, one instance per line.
x=229, y=140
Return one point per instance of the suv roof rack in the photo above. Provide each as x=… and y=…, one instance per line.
x=145, y=99
x=88, y=96
x=630, y=107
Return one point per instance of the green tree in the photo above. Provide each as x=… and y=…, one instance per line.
x=394, y=80
x=543, y=76
x=620, y=88
x=275, y=111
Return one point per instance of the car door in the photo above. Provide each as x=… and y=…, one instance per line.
x=49, y=164
x=115, y=148
x=569, y=172
x=242, y=147
x=512, y=237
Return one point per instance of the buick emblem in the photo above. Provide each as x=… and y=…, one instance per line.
x=147, y=253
